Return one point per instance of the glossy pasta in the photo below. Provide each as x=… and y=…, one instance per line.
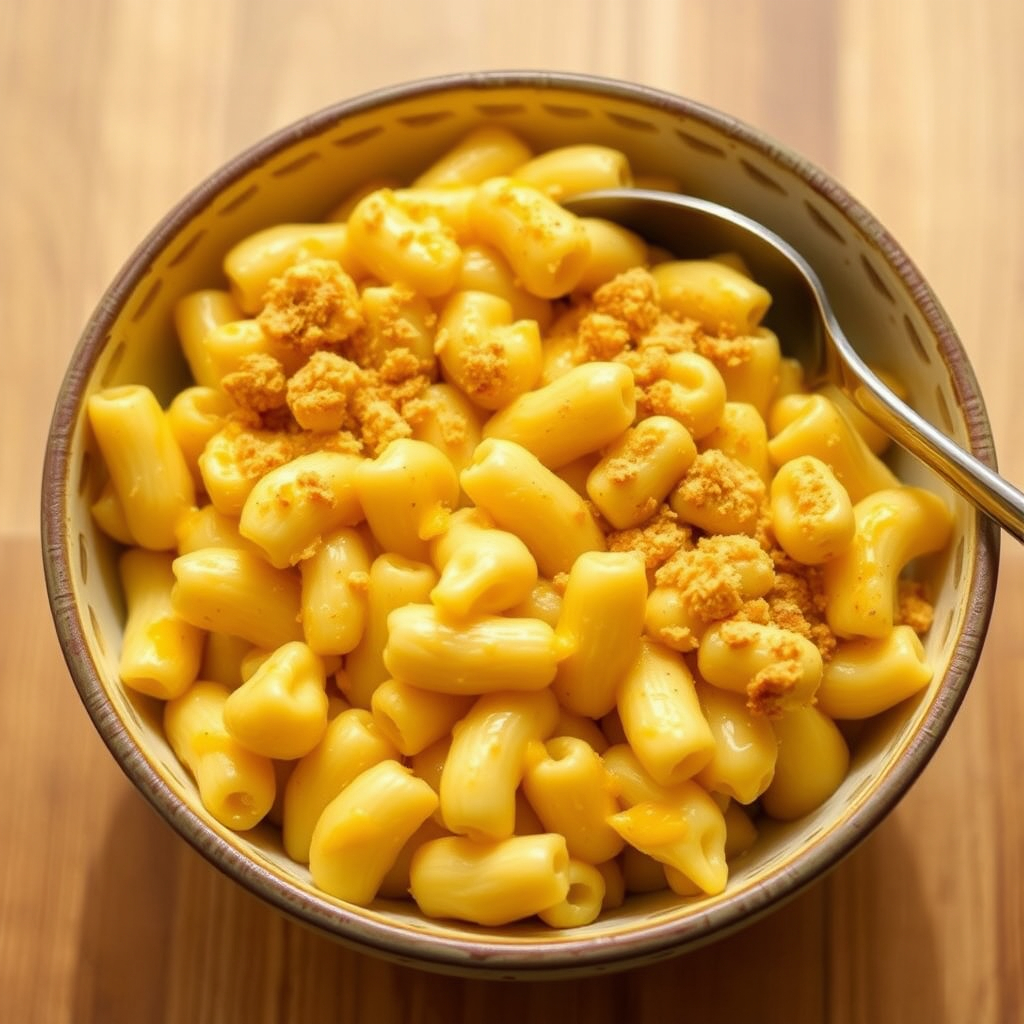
x=498, y=560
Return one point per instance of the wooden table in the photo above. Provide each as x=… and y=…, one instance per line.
x=111, y=109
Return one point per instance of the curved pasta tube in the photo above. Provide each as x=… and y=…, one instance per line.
x=742, y=435
x=819, y=429
x=489, y=883
x=580, y=412
x=572, y=794
x=406, y=494
x=813, y=760
x=235, y=785
x=775, y=668
x=484, y=269
x=893, y=527
x=289, y=510
x=226, y=590
x=161, y=652
x=362, y=830
x=448, y=205
x=351, y=744
x=582, y=903
x=637, y=472
x=228, y=346
x=395, y=247
x=745, y=747
x=687, y=834
x=600, y=625
x=205, y=527
x=545, y=245
x=722, y=300
x=148, y=471
x=740, y=830
x=195, y=315
x=491, y=359
x=257, y=259
x=487, y=758
x=690, y=390
x=719, y=494
x=613, y=250
x=444, y=417
x=398, y=319
x=754, y=380
x=424, y=649
x=568, y=170
x=413, y=719
x=280, y=711
x=394, y=581
x=195, y=415
x=812, y=515
x=335, y=580
x=526, y=498
x=661, y=716
x=484, y=152
x=483, y=570
x=865, y=677
x=670, y=620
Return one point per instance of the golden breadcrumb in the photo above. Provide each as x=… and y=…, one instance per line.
x=632, y=299
x=672, y=335
x=312, y=305
x=256, y=451
x=770, y=690
x=600, y=337
x=725, y=351
x=258, y=385
x=735, y=492
x=390, y=330
x=712, y=578
x=797, y=602
x=913, y=608
x=657, y=540
x=322, y=391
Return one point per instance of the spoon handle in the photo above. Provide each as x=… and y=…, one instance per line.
x=981, y=485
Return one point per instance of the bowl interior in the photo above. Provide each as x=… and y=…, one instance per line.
x=299, y=174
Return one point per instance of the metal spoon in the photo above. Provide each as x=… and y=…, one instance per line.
x=688, y=226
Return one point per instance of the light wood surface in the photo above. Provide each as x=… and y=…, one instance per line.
x=111, y=109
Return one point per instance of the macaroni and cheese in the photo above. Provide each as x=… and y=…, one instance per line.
x=500, y=560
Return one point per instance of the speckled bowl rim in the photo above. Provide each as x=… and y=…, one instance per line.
x=525, y=957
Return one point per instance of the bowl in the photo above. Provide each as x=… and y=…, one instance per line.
x=297, y=174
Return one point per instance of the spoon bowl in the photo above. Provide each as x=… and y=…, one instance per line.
x=803, y=317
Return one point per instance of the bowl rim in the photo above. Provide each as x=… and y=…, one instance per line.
x=529, y=957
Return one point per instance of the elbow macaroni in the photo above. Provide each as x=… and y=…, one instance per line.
x=509, y=567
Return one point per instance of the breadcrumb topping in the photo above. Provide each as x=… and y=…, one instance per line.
x=716, y=481
x=258, y=385
x=632, y=299
x=770, y=690
x=312, y=305
x=321, y=393
x=711, y=578
x=661, y=537
x=913, y=608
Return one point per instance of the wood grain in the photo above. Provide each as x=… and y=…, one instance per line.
x=112, y=109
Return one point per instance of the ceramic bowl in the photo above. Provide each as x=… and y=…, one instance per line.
x=297, y=174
